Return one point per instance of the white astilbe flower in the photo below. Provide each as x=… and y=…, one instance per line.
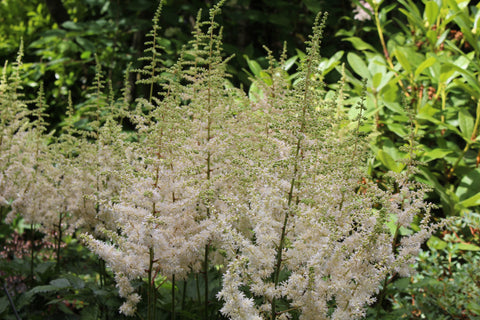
x=316, y=237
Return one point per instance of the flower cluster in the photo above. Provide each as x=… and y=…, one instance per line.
x=273, y=190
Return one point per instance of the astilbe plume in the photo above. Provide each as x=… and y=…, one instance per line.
x=165, y=214
x=28, y=174
x=274, y=189
x=316, y=240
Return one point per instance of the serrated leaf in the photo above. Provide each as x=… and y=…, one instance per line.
x=42, y=289
x=60, y=283
x=75, y=281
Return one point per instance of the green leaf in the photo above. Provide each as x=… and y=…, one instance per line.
x=431, y=12
x=60, y=283
x=359, y=44
x=474, y=308
x=403, y=59
x=85, y=44
x=466, y=123
x=469, y=187
x=471, y=202
x=389, y=162
x=3, y=304
x=71, y=25
x=468, y=247
x=436, y=243
x=41, y=289
x=254, y=66
x=86, y=55
x=437, y=153
x=424, y=65
x=467, y=75
x=358, y=65
x=289, y=63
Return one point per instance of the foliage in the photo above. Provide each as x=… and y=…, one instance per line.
x=429, y=66
x=447, y=285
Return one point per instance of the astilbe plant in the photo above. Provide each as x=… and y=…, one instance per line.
x=165, y=214
x=272, y=191
x=309, y=238
x=29, y=175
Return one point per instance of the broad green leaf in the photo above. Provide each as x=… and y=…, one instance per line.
x=398, y=128
x=468, y=247
x=466, y=123
x=253, y=65
x=473, y=201
x=447, y=73
x=254, y=92
x=86, y=55
x=431, y=12
x=403, y=59
x=424, y=65
x=377, y=79
x=394, y=106
x=469, y=187
x=71, y=25
x=60, y=283
x=441, y=39
x=265, y=77
x=328, y=65
x=436, y=243
x=389, y=162
x=359, y=44
x=85, y=44
x=289, y=63
x=358, y=65
x=437, y=153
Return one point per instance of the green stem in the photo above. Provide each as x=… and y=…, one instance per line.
x=59, y=241
x=150, y=297
x=384, y=45
x=197, y=283
x=205, y=270
x=32, y=253
x=184, y=293
x=173, y=297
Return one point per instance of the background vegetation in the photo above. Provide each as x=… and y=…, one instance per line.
x=420, y=62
